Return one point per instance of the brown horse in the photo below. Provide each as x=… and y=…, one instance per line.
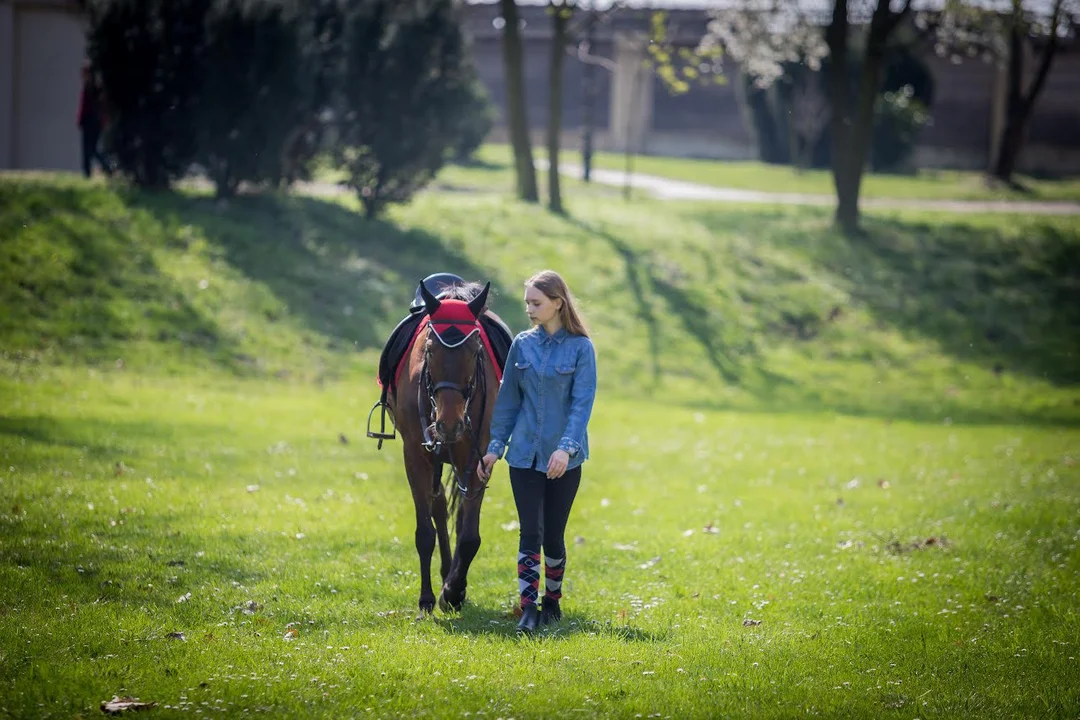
x=442, y=408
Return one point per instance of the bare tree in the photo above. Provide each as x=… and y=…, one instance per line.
x=675, y=67
x=852, y=122
x=561, y=12
x=517, y=117
x=1003, y=32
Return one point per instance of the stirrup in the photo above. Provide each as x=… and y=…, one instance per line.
x=381, y=435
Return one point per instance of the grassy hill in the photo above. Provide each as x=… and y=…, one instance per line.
x=190, y=515
x=929, y=316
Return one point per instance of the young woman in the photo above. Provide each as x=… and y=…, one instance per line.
x=543, y=410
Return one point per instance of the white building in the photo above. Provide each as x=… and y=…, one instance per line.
x=42, y=45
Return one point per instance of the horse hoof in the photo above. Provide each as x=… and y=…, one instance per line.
x=427, y=607
x=446, y=606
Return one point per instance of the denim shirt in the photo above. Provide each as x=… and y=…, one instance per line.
x=545, y=399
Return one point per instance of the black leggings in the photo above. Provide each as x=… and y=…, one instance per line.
x=543, y=507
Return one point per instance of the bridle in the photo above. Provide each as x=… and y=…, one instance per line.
x=477, y=385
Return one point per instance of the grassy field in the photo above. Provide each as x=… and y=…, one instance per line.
x=493, y=171
x=926, y=184
x=869, y=448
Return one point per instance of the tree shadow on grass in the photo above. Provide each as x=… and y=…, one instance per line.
x=736, y=360
x=349, y=278
x=1006, y=298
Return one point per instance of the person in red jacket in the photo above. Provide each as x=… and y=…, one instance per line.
x=91, y=121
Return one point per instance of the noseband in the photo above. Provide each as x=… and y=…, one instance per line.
x=477, y=385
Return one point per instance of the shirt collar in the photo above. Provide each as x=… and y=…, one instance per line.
x=558, y=337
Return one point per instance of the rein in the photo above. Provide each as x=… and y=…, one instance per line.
x=478, y=383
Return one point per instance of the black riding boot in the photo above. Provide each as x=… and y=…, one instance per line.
x=530, y=618
x=550, y=614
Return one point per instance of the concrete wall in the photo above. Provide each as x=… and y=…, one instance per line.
x=707, y=122
x=39, y=90
x=7, y=83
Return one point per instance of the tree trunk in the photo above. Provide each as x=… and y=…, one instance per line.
x=559, y=19
x=1019, y=105
x=513, y=62
x=588, y=114
x=862, y=129
x=847, y=207
x=852, y=134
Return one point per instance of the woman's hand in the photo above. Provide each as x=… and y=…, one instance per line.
x=483, y=468
x=557, y=464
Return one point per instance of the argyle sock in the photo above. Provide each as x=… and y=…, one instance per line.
x=528, y=577
x=553, y=574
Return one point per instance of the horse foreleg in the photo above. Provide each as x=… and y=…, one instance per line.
x=438, y=512
x=468, y=544
x=420, y=473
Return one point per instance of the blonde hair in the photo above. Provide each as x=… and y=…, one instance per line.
x=554, y=287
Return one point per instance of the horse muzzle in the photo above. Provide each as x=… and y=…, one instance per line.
x=449, y=432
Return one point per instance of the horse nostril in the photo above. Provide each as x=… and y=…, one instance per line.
x=440, y=428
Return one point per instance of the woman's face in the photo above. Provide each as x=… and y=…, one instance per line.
x=539, y=307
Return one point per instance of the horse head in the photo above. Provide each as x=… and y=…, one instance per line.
x=453, y=372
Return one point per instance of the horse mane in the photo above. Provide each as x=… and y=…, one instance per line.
x=459, y=291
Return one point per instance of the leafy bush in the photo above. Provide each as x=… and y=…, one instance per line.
x=405, y=89
x=251, y=93
x=477, y=119
x=899, y=118
x=147, y=55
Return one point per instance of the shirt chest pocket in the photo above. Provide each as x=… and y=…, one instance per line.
x=525, y=374
x=563, y=375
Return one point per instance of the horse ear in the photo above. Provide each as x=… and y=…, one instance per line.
x=476, y=305
x=430, y=301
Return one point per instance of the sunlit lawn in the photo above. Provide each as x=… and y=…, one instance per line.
x=829, y=477
x=926, y=184
x=896, y=569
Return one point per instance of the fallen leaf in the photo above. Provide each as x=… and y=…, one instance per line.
x=750, y=623
x=883, y=483
x=121, y=704
x=176, y=636
x=291, y=634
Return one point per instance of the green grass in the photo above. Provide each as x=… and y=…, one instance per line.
x=823, y=531
x=828, y=406
x=926, y=184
